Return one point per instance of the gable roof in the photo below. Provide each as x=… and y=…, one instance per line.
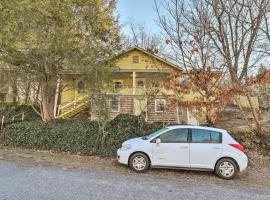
x=152, y=55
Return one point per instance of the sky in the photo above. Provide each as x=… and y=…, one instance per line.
x=137, y=11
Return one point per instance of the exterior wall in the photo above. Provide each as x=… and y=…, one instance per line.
x=70, y=89
x=126, y=107
x=146, y=62
x=129, y=104
x=170, y=115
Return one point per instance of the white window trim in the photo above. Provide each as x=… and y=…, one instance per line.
x=118, y=100
x=164, y=101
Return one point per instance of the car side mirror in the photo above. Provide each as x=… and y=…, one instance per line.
x=158, y=141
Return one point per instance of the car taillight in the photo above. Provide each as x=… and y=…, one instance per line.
x=237, y=146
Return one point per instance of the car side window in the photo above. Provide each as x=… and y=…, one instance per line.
x=175, y=136
x=216, y=137
x=201, y=136
x=205, y=136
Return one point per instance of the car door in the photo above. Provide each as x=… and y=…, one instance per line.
x=205, y=148
x=173, y=150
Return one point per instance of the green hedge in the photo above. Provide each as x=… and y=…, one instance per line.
x=76, y=135
x=13, y=110
x=82, y=136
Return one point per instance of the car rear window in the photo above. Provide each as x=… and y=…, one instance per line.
x=205, y=136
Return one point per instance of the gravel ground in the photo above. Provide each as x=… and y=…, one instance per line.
x=20, y=181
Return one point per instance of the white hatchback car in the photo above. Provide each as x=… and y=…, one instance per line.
x=185, y=147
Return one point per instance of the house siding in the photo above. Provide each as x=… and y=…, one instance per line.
x=169, y=115
x=126, y=106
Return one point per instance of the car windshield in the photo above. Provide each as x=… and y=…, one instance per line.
x=156, y=133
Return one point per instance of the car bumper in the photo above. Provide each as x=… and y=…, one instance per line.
x=123, y=156
x=243, y=162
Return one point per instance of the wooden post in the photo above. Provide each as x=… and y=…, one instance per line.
x=56, y=97
x=2, y=122
x=23, y=116
x=177, y=113
x=134, y=83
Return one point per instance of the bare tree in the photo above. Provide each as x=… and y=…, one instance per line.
x=138, y=35
x=234, y=29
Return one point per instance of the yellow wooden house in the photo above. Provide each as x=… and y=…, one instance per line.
x=136, y=73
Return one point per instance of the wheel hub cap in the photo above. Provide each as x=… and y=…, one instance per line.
x=226, y=169
x=139, y=163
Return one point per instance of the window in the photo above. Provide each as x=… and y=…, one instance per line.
x=160, y=105
x=216, y=137
x=205, y=136
x=140, y=83
x=175, y=136
x=157, y=132
x=115, y=105
x=135, y=59
x=117, y=85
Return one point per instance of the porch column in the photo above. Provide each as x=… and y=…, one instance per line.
x=177, y=113
x=57, y=94
x=133, y=83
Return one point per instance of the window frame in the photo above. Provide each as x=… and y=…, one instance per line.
x=159, y=111
x=220, y=137
x=110, y=104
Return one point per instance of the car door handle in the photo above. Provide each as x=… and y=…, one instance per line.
x=216, y=147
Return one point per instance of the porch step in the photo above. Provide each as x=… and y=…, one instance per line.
x=74, y=109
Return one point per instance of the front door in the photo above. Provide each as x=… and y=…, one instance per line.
x=140, y=105
x=173, y=150
x=205, y=148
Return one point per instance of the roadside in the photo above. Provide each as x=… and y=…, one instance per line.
x=257, y=175
x=24, y=182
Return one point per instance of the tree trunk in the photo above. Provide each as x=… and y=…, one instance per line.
x=254, y=113
x=14, y=90
x=48, y=89
x=27, y=91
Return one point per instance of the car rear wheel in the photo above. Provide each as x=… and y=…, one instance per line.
x=139, y=162
x=226, y=168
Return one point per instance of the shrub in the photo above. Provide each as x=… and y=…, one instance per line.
x=75, y=135
x=13, y=110
x=252, y=140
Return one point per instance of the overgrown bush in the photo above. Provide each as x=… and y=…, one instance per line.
x=12, y=112
x=75, y=135
x=252, y=140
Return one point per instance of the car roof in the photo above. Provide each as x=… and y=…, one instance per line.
x=196, y=127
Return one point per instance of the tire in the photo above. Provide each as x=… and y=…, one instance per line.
x=226, y=168
x=139, y=162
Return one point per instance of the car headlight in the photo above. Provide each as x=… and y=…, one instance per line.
x=126, y=147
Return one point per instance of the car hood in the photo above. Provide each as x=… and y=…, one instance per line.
x=134, y=141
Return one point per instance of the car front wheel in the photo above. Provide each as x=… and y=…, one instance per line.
x=226, y=168
x=139, y=162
